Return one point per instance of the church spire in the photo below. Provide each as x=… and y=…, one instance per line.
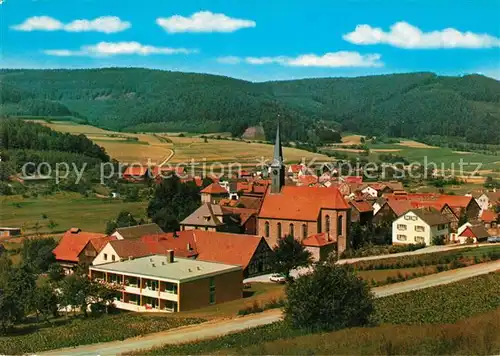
x=277, y=165
x=278, y=150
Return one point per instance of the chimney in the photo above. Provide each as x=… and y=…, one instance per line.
x=170, y=256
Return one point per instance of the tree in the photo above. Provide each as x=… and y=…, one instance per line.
x=38, y=254
x=55, y=273
x=45, y=301
x=289, y=254
x=173, y=201
x=463, y=218
x=124, y=219
x=10, y=309
x=330, y=298
x=76, y=291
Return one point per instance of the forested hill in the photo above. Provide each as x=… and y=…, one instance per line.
x=402, y=105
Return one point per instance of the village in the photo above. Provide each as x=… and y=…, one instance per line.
x=229, y=240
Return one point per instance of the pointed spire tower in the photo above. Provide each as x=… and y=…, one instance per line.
x=277, y=165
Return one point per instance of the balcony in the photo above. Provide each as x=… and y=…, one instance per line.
x=132, y=289
x=169, y=296
x=149, y=292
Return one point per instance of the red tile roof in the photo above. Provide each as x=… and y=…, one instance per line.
x=319, y=240
x=455, y=201
x=295, y=168
x=159, y=170
x=489, y=216
x=362, y=206
x=307, y=180
x=301, y=203
x=100, y=242
x=399, y=206
x=136, y=172
x=214, y=188
x=212, y=246
x=72, y=243
x=353, y=179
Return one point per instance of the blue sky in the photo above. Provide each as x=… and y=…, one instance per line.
x=255, y=40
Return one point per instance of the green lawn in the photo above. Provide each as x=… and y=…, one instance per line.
x=80, y=331
x=408, y=323
x=65, y=209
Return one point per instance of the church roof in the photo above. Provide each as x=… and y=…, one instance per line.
x=301, y=203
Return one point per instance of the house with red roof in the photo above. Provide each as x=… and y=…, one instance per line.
x=490, y=219
x=92, y=249
x=136, y=173
x=361, y=211
x=250, y=252
x=213, y=193
x=70, y=246
x=320, y=245
x=474, y=233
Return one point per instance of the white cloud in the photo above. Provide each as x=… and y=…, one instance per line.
x=106, y=24
x=118, y=48
x=332, y=60
x=203, y=21
x=405, y=35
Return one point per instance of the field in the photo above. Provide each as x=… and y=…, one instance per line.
x=62, y=332
x=461, y=317
x=445, y=159
x=65, y=209
x=171, y=147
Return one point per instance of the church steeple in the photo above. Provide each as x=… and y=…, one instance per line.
x=277, y=165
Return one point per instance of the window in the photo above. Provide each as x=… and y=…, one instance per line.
x=266, y=229
x=105, y=256
x=327, y=223
x=419, y=228
x=419, y=239
x=291, y=230
x=113, y=257
x=407, y=217
x=414, y=218
x=212, y=290
x=279, y=230
x=304, y=231
x=401, y=227
x=401, y=237
x=340, y=224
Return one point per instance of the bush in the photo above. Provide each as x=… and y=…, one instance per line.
x=331, y=297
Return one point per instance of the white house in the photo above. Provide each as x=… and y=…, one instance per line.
x=420, y=226
x=371, y=191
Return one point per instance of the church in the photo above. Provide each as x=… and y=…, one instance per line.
x=302, y=211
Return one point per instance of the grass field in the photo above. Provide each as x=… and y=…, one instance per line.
x=417, y=152
x=65, y=209
x=458, y=318
x=63, y=332
x=152, y=147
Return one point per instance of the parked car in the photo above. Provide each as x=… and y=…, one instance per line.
x=277, y=278
x=494, y=239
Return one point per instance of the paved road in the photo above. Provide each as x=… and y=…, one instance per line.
x=218, y=328
x=431, y=249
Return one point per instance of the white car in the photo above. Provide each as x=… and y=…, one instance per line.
x=277, y=278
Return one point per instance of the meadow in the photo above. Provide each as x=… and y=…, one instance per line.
x=438, y=320
x=176, y=148
x=66, y=210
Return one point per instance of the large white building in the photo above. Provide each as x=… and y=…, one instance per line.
x=420, y=226
x=168, y=284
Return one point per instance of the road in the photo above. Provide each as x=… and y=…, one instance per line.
x=431, y=249
x=219, y=328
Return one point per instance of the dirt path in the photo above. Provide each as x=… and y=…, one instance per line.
x=219, y=328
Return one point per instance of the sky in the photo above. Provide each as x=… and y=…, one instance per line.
x=255, y=40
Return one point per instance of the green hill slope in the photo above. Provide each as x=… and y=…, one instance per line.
x=407, y=105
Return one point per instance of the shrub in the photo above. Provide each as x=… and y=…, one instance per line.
x=331, y=297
